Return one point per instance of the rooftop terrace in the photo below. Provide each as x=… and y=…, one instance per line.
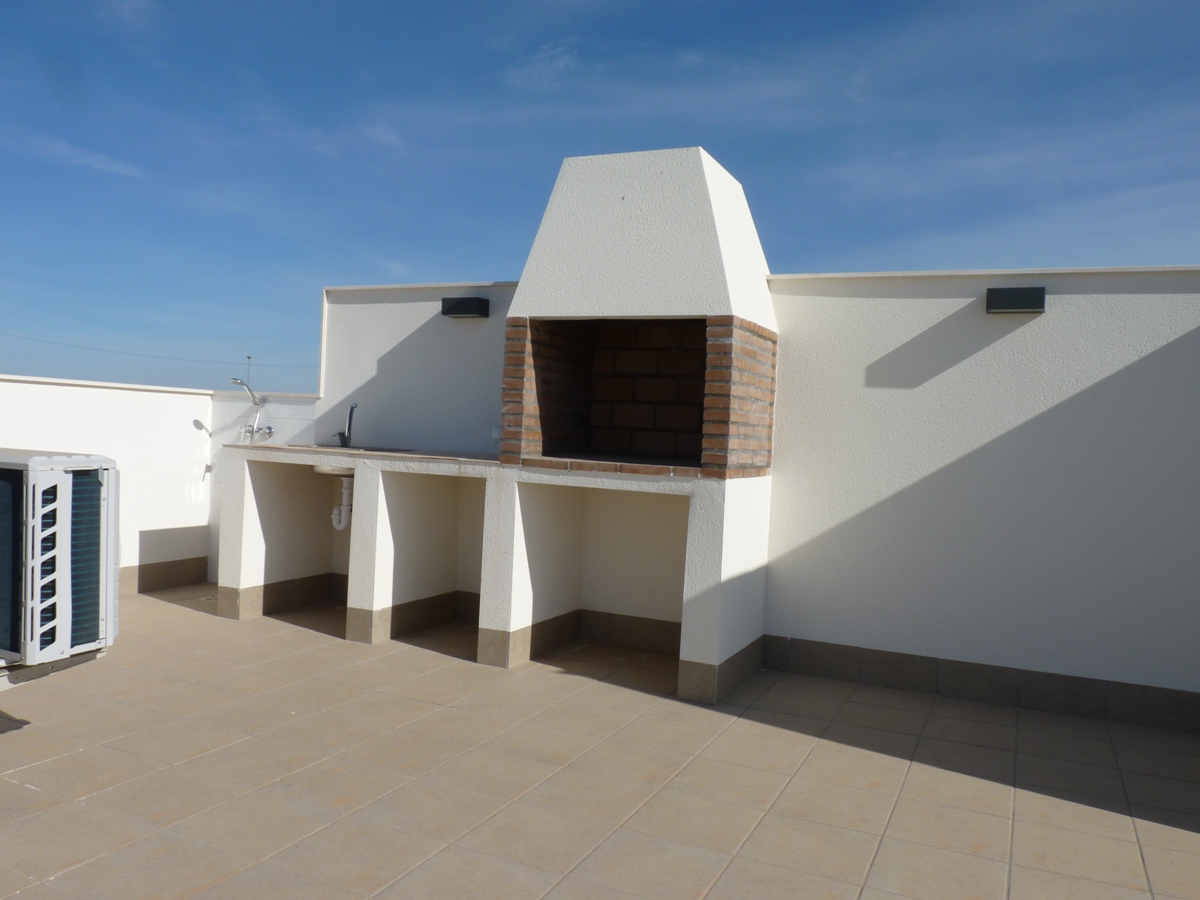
x=206, y=757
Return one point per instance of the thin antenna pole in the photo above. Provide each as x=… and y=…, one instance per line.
x=247, y=370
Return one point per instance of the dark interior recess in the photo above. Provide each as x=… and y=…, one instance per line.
x=1016, y=300
x=621, y=389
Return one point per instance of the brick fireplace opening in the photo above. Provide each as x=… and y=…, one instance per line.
x=694, y=395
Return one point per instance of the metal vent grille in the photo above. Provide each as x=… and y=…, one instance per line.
x=85, y=557
x=12, y=531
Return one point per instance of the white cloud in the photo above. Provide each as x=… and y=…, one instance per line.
x=546, y=70
x=56, y=150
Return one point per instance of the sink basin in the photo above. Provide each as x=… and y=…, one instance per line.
x=344, y=471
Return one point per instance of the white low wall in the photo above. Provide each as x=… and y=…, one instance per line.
x=163, y=458
x=422, y=381
x=1015, y=490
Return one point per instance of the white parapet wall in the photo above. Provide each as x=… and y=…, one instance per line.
x=1014, y=490
x=150, y=432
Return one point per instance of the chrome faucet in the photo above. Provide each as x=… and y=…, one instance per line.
x=251, y=430
x=343, y=436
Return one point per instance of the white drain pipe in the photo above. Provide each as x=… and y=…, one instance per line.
x=341, y=514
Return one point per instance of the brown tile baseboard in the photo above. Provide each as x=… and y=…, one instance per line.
x=1095, y=698
x=160, y=575
x=374, y=626
x=280, y=596
x=705, y=683
x=505, y=649
x=550, y=634
x=633, y=632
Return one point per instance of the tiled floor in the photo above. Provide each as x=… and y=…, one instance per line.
x=265, y=759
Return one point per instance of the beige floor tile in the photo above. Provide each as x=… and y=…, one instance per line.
x=1173, y=873
x=497, y=771
x=841, y=854
x=746, y=879
x=751, y=743
x=652, y=867
x=162, y=865
x=930, y=873
x=1162, y=793
x=811, y=698
x=687, y=817
x=1036, y=720
x=1075, y=812
x=975, y=711
x=256, y=824
x=960, y=830
x=1163, y=763
x=835, y=804
x=853, y=767
x=458, y=873
x=618, y=697
x=885, y=718
x=447, y=685
x=165, y=797
x=252, y=762
x=176, y=741
x=1157, y=738
x=433, y=807
x=85, y=772
x=33, y=744
x=877, y=740
x=1077, y=854
x=1163, y=828
x=507, y=703
x=38, y=702
x=613, y=778
x=385, y=710
x=356, y=854
x=649, y=680
x=249, y=716
x=950, y=788
x=186, y=699
x=729, y=783
x=407, y=753
x=966, y=759
x=542, y=743
x=370, y=674
x=585, y=718
x=896, y=699
x=108, y=722
x=266, y=881
x=470, y=727
x=1036, y=884
x=324, y=733
x=1070, y=747
x=1069, y=777
x=549, y=836
x=571, y=888
x=672, y=733
x=19, y=801
x=969, y=731
x=65, y=836
x=340, y=783
x=12, y=881
x=311, y=696
x=752, y=689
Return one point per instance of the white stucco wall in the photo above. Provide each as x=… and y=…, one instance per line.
x=1014, y=490
x=422, y=381
x=163, y=458
x=634, y=546
x=655, y=234
x=287, y=532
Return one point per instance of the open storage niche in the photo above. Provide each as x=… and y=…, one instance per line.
x=604, y=566
x=436, y=528
x=620, y=389
x=304, y=560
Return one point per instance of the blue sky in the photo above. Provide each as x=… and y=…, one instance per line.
x=182, y=179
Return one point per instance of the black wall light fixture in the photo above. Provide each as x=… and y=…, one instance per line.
x=1016, y=300
x=465, y=307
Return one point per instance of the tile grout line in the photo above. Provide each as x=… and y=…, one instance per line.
x=895, y=801
x=770, y=806
x=1137, y=835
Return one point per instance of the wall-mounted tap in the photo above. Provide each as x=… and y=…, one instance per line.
x=343, y=436
x=258, y=402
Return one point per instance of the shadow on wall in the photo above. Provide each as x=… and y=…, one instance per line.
x=1068, y=544
x=941, y=347
x=437, y=390
x=172, y=557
